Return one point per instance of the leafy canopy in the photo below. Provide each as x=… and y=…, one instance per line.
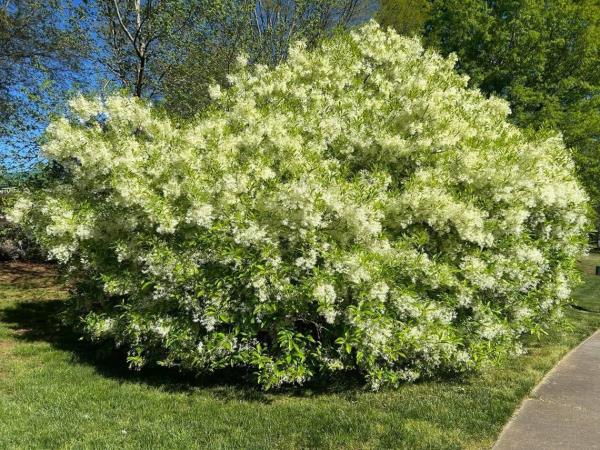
x=407, y=17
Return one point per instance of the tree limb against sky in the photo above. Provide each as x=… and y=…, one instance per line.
x=167, y=51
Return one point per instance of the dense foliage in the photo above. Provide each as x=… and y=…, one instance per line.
x=17, y=244
x=543, y=56
x=407, y=17
x=356, y=207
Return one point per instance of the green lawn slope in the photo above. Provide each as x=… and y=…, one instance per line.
x=57, y=392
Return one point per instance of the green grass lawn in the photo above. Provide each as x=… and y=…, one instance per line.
x=56, y=392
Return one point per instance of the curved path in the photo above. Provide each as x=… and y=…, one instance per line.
x=563, y=411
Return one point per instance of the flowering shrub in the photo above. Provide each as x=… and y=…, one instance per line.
x=356, y=207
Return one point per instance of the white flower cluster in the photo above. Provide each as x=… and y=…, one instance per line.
x=356, y=206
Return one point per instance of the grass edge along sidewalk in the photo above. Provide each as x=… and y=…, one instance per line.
x=56, y=392
x=563, y=410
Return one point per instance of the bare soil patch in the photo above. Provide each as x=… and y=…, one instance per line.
x=32, y=274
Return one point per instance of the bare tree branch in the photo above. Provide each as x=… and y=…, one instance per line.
x=122, y=23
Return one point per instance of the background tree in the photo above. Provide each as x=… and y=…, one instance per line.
x=405, y=16
x=41, y=51
x=136, y=39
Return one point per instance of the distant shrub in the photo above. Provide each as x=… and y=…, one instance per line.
x=356, y=207
x=15, y=242
x=17, y=245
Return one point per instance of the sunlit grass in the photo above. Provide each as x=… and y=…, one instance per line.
x=57, y=392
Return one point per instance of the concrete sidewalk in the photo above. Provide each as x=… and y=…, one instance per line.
x=563, y=411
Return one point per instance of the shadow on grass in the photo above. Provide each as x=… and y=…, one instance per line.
x=36, y=320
